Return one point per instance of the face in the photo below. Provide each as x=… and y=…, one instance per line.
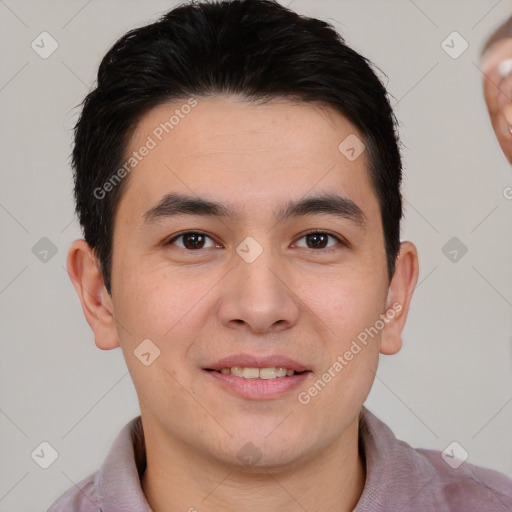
x=497, y=83
x=246, y=238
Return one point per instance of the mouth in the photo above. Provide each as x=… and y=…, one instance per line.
x=253, y=383
x=257, y=373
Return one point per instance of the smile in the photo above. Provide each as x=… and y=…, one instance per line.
x=258, y=373
x=258, y=383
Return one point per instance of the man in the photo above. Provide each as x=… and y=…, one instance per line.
x=496, y=62
x=237, y=178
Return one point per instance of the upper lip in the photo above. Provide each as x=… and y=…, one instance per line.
x=250, y=361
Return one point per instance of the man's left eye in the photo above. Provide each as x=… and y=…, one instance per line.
x=319, y=240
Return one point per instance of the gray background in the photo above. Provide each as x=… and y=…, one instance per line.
x=453, y=378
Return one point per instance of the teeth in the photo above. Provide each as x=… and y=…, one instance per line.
x=268, y=373
x=283, y=372
x=258, y=373
x=238, y=371
x=251, y=373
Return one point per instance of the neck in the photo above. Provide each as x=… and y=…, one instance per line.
x=177, y=478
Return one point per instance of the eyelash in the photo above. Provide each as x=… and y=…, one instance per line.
x=314, y=232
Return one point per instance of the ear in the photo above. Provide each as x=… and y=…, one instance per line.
x=399, y=298
x=84, y=270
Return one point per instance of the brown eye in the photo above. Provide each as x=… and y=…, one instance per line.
x=319, y=240
x=192, y=240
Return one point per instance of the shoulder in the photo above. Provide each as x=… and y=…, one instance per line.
x=82, y=497
x=484, y=489
x=116, y=484
x=401, y=477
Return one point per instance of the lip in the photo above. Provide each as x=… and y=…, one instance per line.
x=258, y=389
x=251, y=361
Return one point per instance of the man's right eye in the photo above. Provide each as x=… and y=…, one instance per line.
x=192, y=240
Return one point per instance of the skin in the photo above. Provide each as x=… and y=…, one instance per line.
x=498, y=93
x=198, y=305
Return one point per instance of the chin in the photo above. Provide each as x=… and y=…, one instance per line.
x=270, y=464
x=261, y=454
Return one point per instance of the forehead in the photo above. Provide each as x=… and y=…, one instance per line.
x=242, y=153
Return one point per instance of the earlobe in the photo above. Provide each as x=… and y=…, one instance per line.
x=84, y=272
x=399, y=298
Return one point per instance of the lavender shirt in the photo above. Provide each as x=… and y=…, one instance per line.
x=399, y=478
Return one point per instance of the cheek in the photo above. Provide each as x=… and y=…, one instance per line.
x=155, y=303
x=354, y=342
x=346, y=303
x=352, y=336
x=165, y=310
x=348, y=311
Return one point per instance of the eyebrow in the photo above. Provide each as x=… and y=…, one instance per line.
x=174, y=204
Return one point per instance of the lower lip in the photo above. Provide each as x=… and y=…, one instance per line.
x=259, y=389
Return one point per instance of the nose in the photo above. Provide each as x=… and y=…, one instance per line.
x=257, y=297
